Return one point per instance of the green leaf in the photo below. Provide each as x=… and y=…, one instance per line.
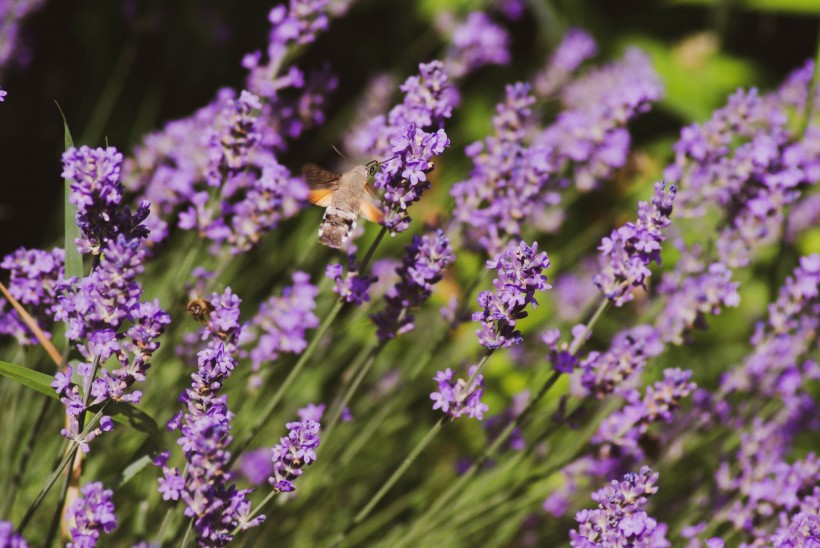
x=141, y=458
x=799, y=7
x=29, y=378
x=73, y=259
x=123, y=413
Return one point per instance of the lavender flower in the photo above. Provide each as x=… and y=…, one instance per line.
x=519, y=277
x=293, y=453
x=506, y=183
x=474, y=42
x=97, y=192
x=628, y=251
x=576, y=47
x=12, y=50
x=559, y=355
x=216, y=506
x=423, y=264
x=571, y=291
x=457, y=398
x=631, y=349
x=351, y=287
x=34, y=276
x=3, y=94
x=256, y=466
x=311, y=412
x=91, y=514
x=624, y=428
x=403, y=134
x=693, y=299
x=281, y=323
x=620, y=519
x=9, y=538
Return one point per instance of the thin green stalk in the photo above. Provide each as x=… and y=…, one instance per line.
x=352, y=388
x=58, y=512
x=52, y=479
x=187, y=536
x=255, y=511
x=385, y=488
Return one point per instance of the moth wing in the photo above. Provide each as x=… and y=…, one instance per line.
x=370, y=207
x=321, y=197
x=319, y=178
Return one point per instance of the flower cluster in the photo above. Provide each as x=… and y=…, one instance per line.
x=519, y=277
x=280, y=325
x=104, y=312
x=12, y=51
x=351, y=287
x=474, y=43
x=9, y=538
x=423, y=265
x=621, y=518
x=624, y=428
x=628, y=251
x=216, y=506
x=34, y=276
x=90, y=515
x=293, y=453
x=604, y=372
x=3, y=94
x=403, y=137
x=460, y=397
x=576, y=47
x=507, y=180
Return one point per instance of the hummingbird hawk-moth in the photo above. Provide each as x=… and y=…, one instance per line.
x=345, y=197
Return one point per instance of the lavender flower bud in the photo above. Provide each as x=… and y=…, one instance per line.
x=620, y=519
x=293, y=453
x=576, y=47
x=628, y=251
x=457, y=398
x=91, y=514
x=9, y=537
x=423, y=264
x=474, y=42
x=351, y=287
x=519, y=277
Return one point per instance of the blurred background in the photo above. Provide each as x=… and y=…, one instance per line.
x=120, y=69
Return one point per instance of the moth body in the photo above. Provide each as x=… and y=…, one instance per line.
x=345, y=197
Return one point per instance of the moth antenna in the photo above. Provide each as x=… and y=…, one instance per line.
x=342, y=155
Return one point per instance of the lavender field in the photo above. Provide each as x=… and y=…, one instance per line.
x=458, y=273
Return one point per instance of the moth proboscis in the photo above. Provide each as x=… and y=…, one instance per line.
x=345, y=197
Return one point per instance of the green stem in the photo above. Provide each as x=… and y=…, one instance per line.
x=354, y=386
x=187, y=536
x=385, y=488
x=58, y=512
x=255, y=511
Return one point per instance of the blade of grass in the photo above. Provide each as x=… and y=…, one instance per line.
x=73, y=259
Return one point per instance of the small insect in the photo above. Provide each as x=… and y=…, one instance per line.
x=200, y=309
x=345, y=197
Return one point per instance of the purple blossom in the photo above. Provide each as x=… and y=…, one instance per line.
x=625, y=427
x=474, y=42
x=457, y=398
x=621, y=519
x=695, y=297
x=507, y=180
x=589, y=137
x=423, y=264
x=3, y=94
x=34, y=276
x=280, y=325
x=293, y=453
x=403, y=137
x=216, y=506
x=97, y=192
x=9, y=537
x=571, y=291
x=90, y=515
x=311, y=412
x=559, y=355
x=627, y=253
x=352, y=287
x=603, y=373
x=12, y=49
x=519, y=277
x=576, y=47
x=256, y=466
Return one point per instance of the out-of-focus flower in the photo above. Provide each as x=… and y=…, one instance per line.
x=351, y=287
x=34, y=276
x=474, y=42
x=423, y=264
x=620, y=519
x=3, y=94
x=12, y=51
x=91, y=515
x=9, y=537
x=293, y=453
x=457, y=398
x=628, y=251
x=576, y=47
